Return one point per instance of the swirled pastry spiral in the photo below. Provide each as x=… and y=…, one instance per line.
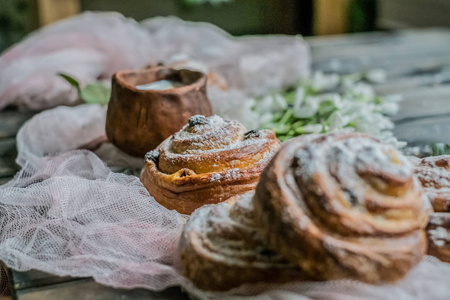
x=221, y=249
x=438, y=232
x=209, y=161
x=343, y=205
x=434, y=174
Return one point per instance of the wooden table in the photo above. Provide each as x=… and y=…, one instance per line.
x=418, y=67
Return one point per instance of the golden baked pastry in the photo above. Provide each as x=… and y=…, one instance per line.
x=221, y=249
x=434, y=174
x=209, y=161
x=438, y=232
x=343, y=205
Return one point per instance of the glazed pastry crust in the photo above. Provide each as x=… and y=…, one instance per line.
x=434, y=174
x=222, y=249
x=209, y=161
x=438, y=233
x=343, y=206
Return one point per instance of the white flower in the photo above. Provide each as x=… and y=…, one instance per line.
x=321, y=81
x=279, y=102
x=337, y=101
x=353, y=109
x=271, y=103
x=388, y=137
x=376, y=75
x=335, y=98
x=298, y=100
x=356, y=106
x=389, y=108
x=313, y=128
x=362, y=90
x=373, y=123
x=308, y=109
x=338, y=121
x=350, y=80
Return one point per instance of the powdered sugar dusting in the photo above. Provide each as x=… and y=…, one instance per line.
x=232, y=174
x=213, y=135
x=359, y=179
x=218, y=146
x=229, y=235
x=348, y=159
x=215, y=177
x=440, y=236
x=434, y=174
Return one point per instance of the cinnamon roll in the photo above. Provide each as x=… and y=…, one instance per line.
x=221, y=249
x=438, y=232
x=209, y=161
x=343, y=205
x=434, y=174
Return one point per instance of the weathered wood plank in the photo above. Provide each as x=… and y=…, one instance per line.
x=425, y=130
x=34, y=278
x=8, y=167
x=8, y=153
x=87, y=289
x=5, y=180
x=11, y=120
x=405, y=36
x=385, y=50
x=417, y=65
x=8, y=147
x=359, y=62
x=407, y=84
x=424, y=101
x=338, y=40
x=381, y=44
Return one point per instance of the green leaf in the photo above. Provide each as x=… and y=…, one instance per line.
x=326, y=108
x=287, y=115
x=440, y=149
x=95, y=93
x=72, y=81
x=289, y=97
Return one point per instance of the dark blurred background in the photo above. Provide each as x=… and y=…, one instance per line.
x=239, y=17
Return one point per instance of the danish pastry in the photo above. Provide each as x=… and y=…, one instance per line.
x=221, y=249
x=209, y=161
x=343, y=205
x=438, y=232
x=434, y=174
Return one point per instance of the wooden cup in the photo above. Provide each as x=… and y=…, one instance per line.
x=139, y=120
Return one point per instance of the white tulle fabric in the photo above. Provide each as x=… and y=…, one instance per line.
x=88, y=47
x=64, y=128
x=255, y=65
x=71, y=215
x=92, y=46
